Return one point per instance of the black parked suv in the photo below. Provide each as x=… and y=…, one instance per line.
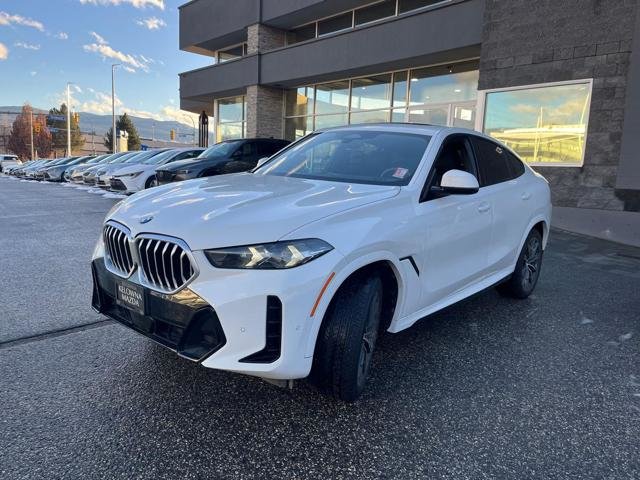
x=230, y=156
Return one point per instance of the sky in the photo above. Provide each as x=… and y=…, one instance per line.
x=46, y=43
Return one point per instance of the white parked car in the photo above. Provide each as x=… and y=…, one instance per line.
x=133, y=178
x=292, y=270
x=8, y=161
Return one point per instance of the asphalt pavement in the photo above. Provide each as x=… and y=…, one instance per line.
x=548, y=387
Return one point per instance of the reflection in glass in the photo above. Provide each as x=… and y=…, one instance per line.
x=332, y=97
x=231, y=109
x=399, y=115
x=231, y=121
x=295, y=128
x=229, y=131
x=431, y=116
x=299, y=101
x=400, y=88
x=428, y=85
x=371, y=116
x=231, y=53
x=464, y=116
x=371, y=92
x=326, y=121
x=544, y=125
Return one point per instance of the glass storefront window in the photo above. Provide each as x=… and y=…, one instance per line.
x=326, y=121
x=429, y=85
x=231, y=118
x=299, y=102
x=297, y=127
x=400, y=89
x=545, y=125
x=440, y=95
x=430, y=115
x=332, y=97
x=377, y=11
x=371, y=92
x=371, y=116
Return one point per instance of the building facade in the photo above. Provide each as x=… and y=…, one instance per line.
x=558, y=81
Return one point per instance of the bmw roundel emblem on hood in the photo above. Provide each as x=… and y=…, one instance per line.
x=146, y=219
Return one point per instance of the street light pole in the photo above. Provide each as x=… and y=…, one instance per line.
x=68, y=121
x=113, y=107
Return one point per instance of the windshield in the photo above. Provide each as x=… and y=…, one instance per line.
x=352, y=156
x=97, y=159
x=161, y=157
x=141, y=156
x=219, y=149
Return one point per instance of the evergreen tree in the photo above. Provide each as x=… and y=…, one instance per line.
x=59, y=130
x=125, y=123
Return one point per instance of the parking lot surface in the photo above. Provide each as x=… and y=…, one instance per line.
x=548, y=387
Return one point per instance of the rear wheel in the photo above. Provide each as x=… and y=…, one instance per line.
x=527, y=271
x=347, y=339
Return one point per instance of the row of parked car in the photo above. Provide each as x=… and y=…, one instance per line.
x=130, y=172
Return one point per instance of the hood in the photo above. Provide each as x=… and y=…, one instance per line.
x=240, y=209
x=116, y=167
x=195, y=163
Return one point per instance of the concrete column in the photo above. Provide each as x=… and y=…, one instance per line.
x=264, y=112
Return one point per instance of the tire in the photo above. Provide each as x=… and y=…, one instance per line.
x=347, y=339
x=151, y=182
x=527, y=272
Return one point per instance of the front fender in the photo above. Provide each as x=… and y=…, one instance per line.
x=344, y=270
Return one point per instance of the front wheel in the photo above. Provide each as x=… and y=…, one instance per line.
x=151, y=182
x=527, y=271
x=347, y=339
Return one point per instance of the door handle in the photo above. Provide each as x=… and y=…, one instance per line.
x=484, y=207
x=525, y=196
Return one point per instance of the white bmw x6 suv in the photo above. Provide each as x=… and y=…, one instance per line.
x=292, y=270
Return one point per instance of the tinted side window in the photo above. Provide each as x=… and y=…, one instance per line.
x=266, y=149
x=493, y=162
x=516, y=165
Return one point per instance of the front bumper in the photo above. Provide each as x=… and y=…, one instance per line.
x=264, y=316
x=183, y=322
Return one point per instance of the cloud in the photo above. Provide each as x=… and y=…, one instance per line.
x=135, y=3
x=130, y=61
x=33, y=73
x=98, y=38
x=172, y=113
x=4, y=52
x=100, y=104
x=152, y=23
x=26, y=46
x=7, y=19
x=62, y=36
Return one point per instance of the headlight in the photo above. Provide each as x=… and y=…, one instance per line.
x=129, y=175
x=101, y=172
x=269, y=256
x=183, y=172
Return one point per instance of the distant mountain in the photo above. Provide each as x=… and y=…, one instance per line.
x=147, y=128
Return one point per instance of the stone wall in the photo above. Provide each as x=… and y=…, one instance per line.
x=264, y=112
x=528, y=42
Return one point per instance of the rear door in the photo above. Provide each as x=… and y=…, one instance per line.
x=501, y=177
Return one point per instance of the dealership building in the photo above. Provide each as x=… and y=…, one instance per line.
x=557, y=81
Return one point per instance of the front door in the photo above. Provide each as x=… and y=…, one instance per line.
x=457, y=228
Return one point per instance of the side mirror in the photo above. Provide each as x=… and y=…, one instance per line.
x=262, y=161
x=458, y=182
